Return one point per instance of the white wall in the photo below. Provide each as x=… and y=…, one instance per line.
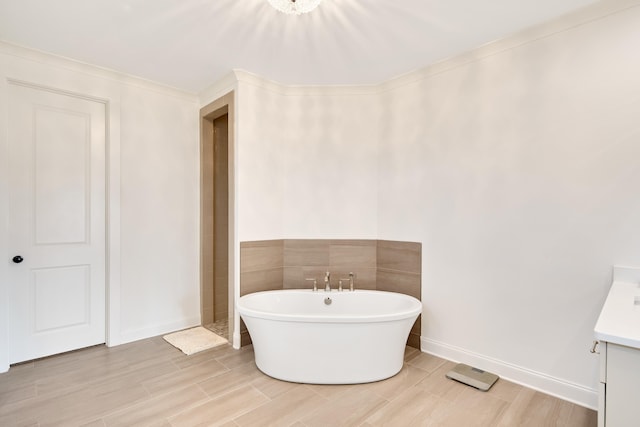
x=329, y=163
x=160, y=288
x=306, y=157
x=259, y=167
x=153, y=193
x=519, y=173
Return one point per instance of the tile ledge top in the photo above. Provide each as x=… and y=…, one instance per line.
x=619, y=320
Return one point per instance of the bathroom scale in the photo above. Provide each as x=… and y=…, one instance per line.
x=473, y=377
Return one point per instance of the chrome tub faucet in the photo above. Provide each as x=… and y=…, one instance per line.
x=350, y=279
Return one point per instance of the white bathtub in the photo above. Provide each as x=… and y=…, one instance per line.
x=360, y=337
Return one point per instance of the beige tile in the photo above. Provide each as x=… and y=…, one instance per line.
x=13, y=393
x=238, y=358
x=221, y=265
x=203, y=356
x=412, y=407
x=397, y=281
x=293, y=278
x=157, y=409
x=261, y=244
x=440, y=386
x=155, y=349
x=532, y=408
x=427, y=362
x=145, y=371
x=349, y=410
x=283, y=410
x=354, y=242
x=207, y=316
x=12, y=421
x=334, y=391
x=505, y=390
x=104, y=365
x=52, y=366
x=264, y=255
x=485, y=407
x=221, y=409
x=416, y=325
x=352, y=257
x=245, y=338
x=306, y=253
x=413, y=340
x=221, y=314
x=19, y=375
x=207, y=292
x=582, y=417
x=272, y=387
x=399, y=256
x=480, y=409
x=184, y=377
x=235, y=378
x=84, y=404
x=419, y=395
x=364, y=278
x=392, y=387
x=261, y=280
x=411, y=353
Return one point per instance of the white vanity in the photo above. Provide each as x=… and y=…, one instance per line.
x=618, y=333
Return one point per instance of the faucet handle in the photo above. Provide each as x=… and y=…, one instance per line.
x=315, y=283
x=350, y=279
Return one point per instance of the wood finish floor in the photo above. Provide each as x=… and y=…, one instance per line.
x=150, y=383
x=220, y=327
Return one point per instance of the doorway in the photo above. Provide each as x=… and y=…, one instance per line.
x=215, y=241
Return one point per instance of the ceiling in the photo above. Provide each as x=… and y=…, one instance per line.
x=190, y=44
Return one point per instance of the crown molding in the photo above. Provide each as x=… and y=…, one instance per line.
x=226, y=84
x=61, y=62
x=591, y=13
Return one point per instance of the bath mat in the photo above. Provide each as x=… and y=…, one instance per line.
x=193, y=340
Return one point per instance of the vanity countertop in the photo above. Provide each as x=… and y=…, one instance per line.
x=619, y=321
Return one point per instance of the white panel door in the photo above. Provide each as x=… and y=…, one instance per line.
x=56, y=223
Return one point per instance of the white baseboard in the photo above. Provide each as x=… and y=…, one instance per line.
x=547, y=384
x=155, y=330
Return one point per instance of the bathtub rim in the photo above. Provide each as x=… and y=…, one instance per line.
x=416, y=310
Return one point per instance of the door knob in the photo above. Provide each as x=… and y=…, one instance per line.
x=18, y=259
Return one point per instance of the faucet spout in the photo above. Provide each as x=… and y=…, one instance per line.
x=327, y=282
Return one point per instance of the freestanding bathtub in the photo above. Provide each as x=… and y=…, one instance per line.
x=320, y=337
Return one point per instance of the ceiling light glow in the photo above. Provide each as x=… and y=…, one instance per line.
x=295, y=7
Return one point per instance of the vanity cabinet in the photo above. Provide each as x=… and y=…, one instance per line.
x=619, y=394
x=618, y=333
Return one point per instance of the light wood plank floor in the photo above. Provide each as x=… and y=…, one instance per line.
x=150, y=383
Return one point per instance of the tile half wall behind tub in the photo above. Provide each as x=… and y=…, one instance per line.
x=377, y=264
